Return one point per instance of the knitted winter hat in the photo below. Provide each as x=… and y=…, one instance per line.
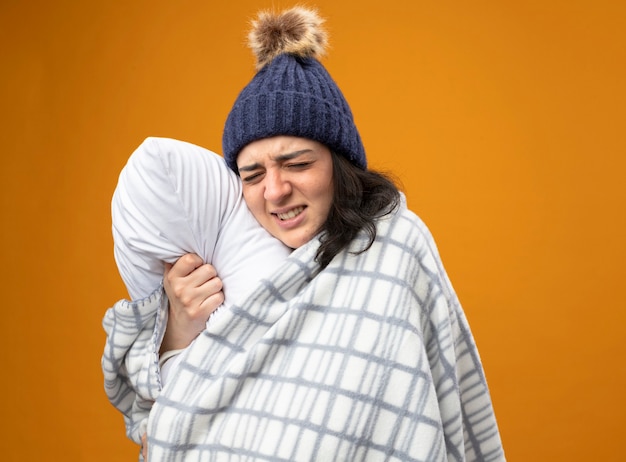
x=292, y=93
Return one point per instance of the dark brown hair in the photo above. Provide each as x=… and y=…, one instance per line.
x=360, y=197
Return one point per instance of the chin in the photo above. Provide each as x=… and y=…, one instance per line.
x=293, y=241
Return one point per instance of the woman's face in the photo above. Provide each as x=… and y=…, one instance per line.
x=288, y=186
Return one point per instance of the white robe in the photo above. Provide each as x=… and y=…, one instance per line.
x=370, y=359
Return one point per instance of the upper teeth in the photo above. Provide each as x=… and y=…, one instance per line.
x=290, y=214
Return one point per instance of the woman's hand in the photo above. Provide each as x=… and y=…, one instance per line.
x=194, y=292
x=144, y=446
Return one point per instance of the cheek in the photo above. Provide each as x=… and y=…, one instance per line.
x=246, y=195
x=327, y=196
x=251, y=199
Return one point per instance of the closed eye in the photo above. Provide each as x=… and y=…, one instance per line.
x=252, y=178
x=300, y=165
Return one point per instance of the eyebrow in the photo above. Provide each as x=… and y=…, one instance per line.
x=278, y=158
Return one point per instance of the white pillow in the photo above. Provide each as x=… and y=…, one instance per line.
x=173, y=198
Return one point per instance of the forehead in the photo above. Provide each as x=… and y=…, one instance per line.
x=269, y=149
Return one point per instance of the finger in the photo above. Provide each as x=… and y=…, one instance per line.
x=212, y=288
x=213, y=285
x=188, y=293
x=201, y=275
x=200, y=302
x=212, y=303
x=185, y=265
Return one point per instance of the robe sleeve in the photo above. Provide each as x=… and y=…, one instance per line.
x=130, y=362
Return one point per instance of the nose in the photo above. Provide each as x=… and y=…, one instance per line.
x=276, y=186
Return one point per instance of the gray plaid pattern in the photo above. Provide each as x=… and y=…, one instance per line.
x=370, y=359
x=130, y=362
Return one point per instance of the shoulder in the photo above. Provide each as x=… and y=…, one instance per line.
x=404, y=224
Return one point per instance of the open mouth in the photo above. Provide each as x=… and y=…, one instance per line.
x=290, y=214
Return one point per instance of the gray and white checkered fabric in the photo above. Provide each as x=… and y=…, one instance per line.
x=370, y=359
x=130, y=362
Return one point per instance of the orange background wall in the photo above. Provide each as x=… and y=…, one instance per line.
x=505, y=122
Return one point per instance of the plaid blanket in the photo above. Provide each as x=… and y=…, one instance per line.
x=369, y=359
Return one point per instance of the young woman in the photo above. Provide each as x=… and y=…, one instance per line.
x=355, y=347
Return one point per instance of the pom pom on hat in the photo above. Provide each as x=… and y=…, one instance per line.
x=292, y=93
x=297, y=31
